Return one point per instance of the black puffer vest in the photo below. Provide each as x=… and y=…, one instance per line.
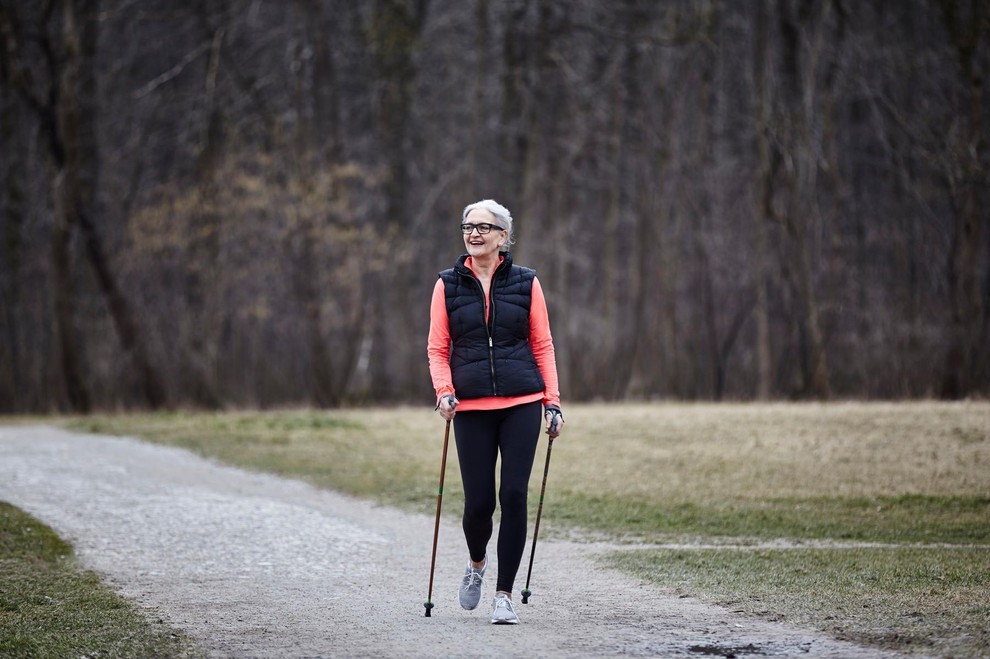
x=493, y=358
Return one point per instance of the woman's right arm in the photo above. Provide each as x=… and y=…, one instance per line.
x=438, y=344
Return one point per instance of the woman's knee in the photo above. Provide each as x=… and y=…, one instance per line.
x=513, y=499
x=479, y=511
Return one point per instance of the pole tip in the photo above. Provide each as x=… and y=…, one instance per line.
x=428, y=606
x=525, y=594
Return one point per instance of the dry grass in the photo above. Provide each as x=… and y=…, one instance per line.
x=709, y=452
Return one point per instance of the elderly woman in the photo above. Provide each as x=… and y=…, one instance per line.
x=491, y=355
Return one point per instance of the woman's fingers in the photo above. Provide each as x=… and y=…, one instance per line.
x=447, y=407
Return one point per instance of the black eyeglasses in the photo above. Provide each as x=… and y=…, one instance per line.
x=482, y=228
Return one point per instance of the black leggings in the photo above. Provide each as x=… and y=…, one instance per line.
x=480, y=437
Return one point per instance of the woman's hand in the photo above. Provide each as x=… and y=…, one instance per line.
x=555, y=421
x=446, y=406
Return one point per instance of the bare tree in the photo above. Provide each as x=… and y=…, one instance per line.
x=968, y=177
x=67, y=111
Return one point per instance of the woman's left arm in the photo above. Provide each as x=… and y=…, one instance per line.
x=541, y=342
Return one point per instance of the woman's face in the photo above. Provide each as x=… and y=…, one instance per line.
x=485, y=245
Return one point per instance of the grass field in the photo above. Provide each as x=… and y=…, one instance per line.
x=870, y=521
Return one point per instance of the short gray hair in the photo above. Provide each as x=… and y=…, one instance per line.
x=503, y=217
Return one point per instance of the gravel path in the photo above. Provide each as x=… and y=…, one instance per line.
x=254, y=565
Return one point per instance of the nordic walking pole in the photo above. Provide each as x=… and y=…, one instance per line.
x=539, y=512
x=436, y=527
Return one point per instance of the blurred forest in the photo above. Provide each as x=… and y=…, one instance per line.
x=227, y=203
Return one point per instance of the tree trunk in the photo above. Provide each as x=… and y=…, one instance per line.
x=392, y=38
x=514, y=144
x=65, y=309
x=816, y=372
x=71, y=193
x=763, y=206
x=83, y=156
x=622, y=295
x=966, y=356
x=804, y=142
x=11, y=246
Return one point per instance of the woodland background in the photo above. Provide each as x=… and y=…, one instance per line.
x=227, y=203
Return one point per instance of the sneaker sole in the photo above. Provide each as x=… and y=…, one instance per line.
x=505, y=622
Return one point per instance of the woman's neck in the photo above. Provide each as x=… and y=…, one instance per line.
x=484, y=267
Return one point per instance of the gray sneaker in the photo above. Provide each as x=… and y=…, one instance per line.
x=471, y=582
x=502, y=611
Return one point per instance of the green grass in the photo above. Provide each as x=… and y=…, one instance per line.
x=50, y=608
x=832, y=480
x=888, y=519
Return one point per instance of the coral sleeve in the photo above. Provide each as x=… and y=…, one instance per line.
x=541, y=342
x=438, y=343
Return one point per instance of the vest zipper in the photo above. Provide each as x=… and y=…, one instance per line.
x=489, y=324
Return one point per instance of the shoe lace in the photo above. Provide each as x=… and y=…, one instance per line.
x=473, y=578
x=503, y=603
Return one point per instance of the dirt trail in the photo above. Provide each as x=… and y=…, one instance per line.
x=254, y=565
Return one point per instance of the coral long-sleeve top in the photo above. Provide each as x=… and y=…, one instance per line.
x=540, y=341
